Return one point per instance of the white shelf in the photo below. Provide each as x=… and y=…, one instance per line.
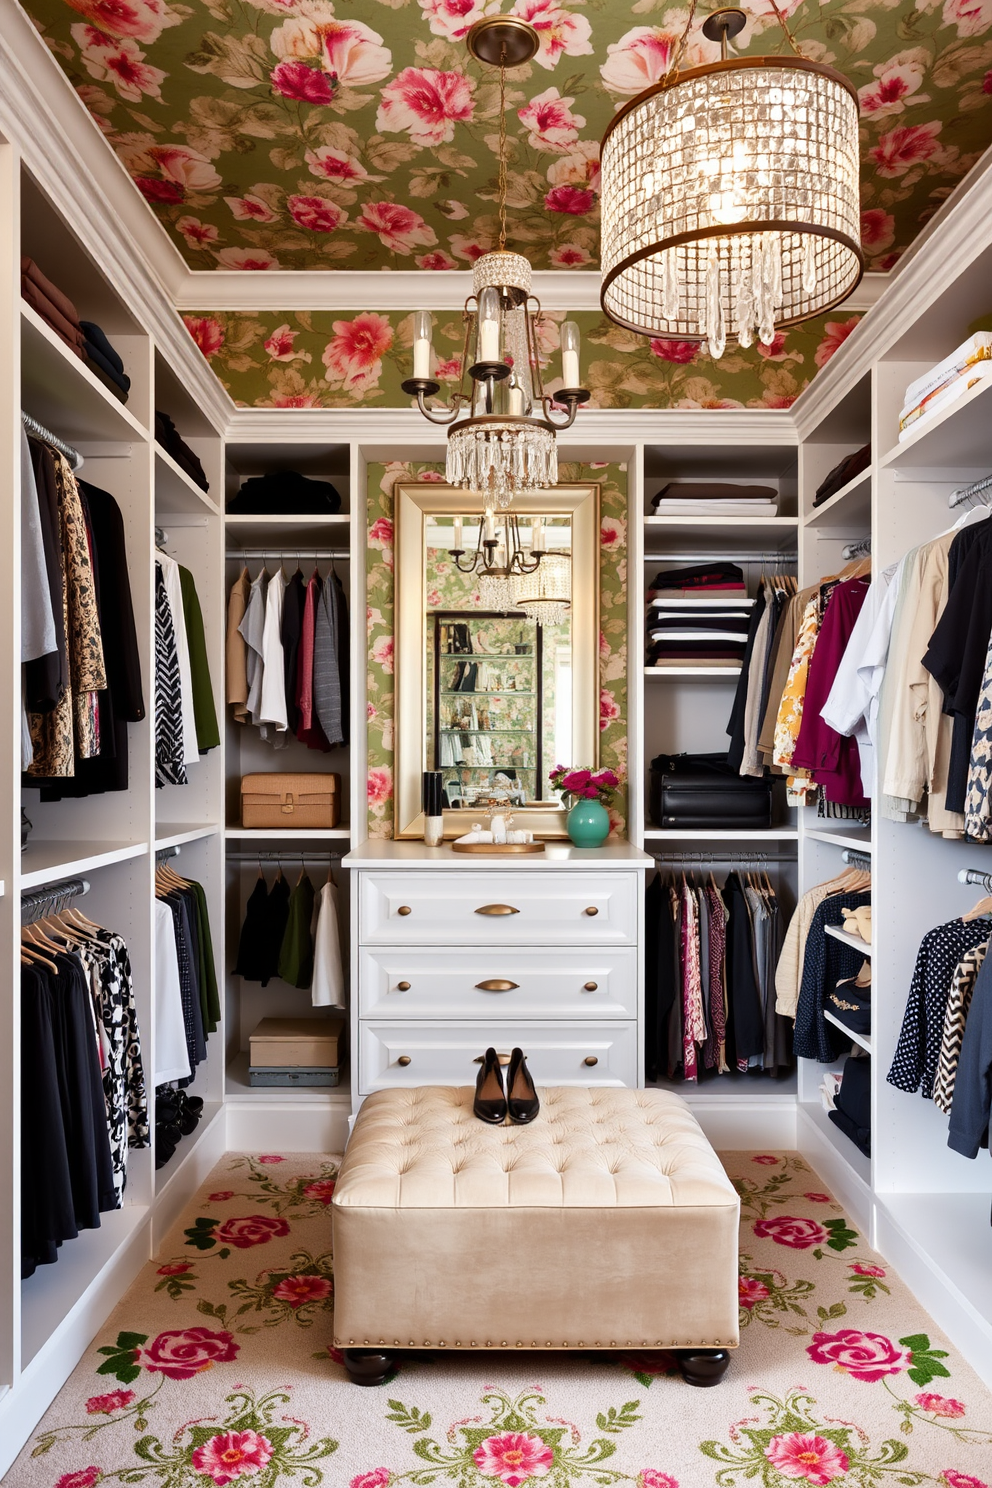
x=728, y=602
x=662, y=671
x=286, y=834
x=175, y=834
x=718, y=834
x=238, y=1088
x=841, y=1143
x=731, y=1086
x=60, y=391
x=850, y=838
x=861, y=1039
x=773, y=533
x=277, y=519
x=175, y=491
x=850, y=506
x=854, y=942
x=44, y=861
x=958, y=438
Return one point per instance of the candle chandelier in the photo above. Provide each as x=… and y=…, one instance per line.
x=540, y=584
x=502, y=424
x=730, y=196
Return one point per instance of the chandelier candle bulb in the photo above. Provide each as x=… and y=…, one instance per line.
x=515, y=401
x=488, y=349
x=570, y=354
x=537, y=536
x=489, y=528
x=422, y=327
x=457, y=534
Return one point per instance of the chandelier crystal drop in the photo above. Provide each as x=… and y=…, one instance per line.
x=546, y=593
x=731, y=196
x=502, y=423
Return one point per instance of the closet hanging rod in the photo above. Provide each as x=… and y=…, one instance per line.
x=981, y=488
x=163, y=854
x=859, y=549
x=725, y=554
x=284, y=857
x=701, y=860
x=53, y=896
x=287, y=551
x=972, y=876
x=32, y=426
x=855, y=858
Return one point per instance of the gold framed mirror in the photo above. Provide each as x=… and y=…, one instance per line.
x=492, y=694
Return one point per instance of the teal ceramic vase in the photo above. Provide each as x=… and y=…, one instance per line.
x=588, y=823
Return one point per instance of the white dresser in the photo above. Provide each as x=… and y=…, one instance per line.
x=454, y=952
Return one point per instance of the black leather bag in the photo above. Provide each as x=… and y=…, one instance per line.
x=702, y=790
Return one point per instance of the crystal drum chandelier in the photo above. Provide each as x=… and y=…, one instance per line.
x=508, y=579
x=505, y=442
x=730, y=196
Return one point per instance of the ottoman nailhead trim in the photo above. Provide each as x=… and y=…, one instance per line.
x=503, y=1344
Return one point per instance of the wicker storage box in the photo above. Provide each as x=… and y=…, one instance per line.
x=290, y=801
x=296, y=1043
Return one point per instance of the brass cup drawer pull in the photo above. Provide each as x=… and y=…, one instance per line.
x=497, y=909
x=402, y=986
x=404, y=909
x=592, y=910
x=496, y=984
x=590, y=1060
x=591, y=987
x=404, y=1059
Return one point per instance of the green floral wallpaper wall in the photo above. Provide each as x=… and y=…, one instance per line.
x=321, y=359
x=382, y=480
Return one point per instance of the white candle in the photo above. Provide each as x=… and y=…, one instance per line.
x=489, y=326
x=458, y=534
x=537, y=535
x=515, y=401
x=422, y=344
x=570, y=355
x=489, y=528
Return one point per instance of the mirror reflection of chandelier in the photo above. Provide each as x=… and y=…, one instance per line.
x=509, y=578
x=730, y=195
x=507, y=442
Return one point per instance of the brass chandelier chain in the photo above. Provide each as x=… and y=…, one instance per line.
x=673, y=68
x=502, y=148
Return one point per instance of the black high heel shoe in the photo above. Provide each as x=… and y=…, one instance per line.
x=490, y=1096
x=521, y=1096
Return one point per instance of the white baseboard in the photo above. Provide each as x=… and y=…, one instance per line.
x=270, y=1126
x=736, y=1126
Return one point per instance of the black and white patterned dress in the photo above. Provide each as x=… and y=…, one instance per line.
x=169, y=766
x=108, y=970
x=917, y=1056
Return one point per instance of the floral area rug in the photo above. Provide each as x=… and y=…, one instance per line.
x=217, y=1369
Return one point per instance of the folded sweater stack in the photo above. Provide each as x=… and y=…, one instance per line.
x=285, y=491
x=715, y=499
x=945, y=383
x=698, y=617
x=84, y=337
x=169, y=437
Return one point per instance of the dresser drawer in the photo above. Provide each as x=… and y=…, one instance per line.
x=497, y=982
x=443, y=1053
x=504, y=908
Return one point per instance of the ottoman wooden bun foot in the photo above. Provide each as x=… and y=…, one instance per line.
x=703, y=1367
x=367, y=1366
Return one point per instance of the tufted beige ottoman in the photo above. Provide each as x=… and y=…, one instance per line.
x=608, y=1223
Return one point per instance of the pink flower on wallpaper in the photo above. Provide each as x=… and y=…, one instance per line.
x=184, y=167
x=156, y=192
x=381, y=533
x=400, y=229
x=612, y=533
x=987, y=83
x=251, y=1229
x=559, y=31
x=513, y=1457
x=641, y=57
x=895, y=81
x=353, y=357
x=316, y=213
x=350, y=52
x=271, y=1157
x=775, y=351
x=769, y=399
x=207, y=332
x=580, y=167
x=377, y=1478
x=302, y=82
x=322, y=1190
x=294, y=400
x=650, y=1477
x=435, y=261
x=232, y=1454
x=145, y=20
x=550, y=123
x=468, y=248
x=105, y=1405
x=570, y=200
x=382, y=653
x=799, y=1234
x=427, y=104
x=608, y=709
x=569, y=256
x=953, y=1479
x=197, y=234
x=766, y=1159
x=679, y=352
x=860, y=1269
x=817, y=1198
x=280, y=345
x=800, y=1454
x=250, y=209
x=185, y=1352
x=940, y=1405
x=120, y=62
x=864, y=1356
x=431, y=475
x=835, y=334
x=455, y=18
x=177, y=1268
x=335, y=165
x=905, y=146
x=248, y=260
x=298, y=1290
x=878, y=229
x=971, y=17
x=750, y=1290
x=449, y=371
x=84, y=1477
x=380, y=785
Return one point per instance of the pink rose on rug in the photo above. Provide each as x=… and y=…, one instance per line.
x=221, y=1195
x=817, y=1198
x=764, y=1157
x=296, y=1290
x=513, y=1457
x=251, y=1229
x=957, y=1480
x=785, y=1229
x=184, y=1352
x=87, y=1476
x=861, y=1270
x=271, y=1157
x=377, y=1478
x=660, y=1363
x=799, y=1454
x=651, y=1478
x=322, y=1190
x=179, y=1268
x=940, y=1405
x=105, y=1405
x=751, y=1290
x=232, y=1454
x=865, y=1356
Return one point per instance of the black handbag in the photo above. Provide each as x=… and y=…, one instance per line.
x=702, y=790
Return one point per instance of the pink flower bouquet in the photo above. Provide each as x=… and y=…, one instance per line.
x=578, y=785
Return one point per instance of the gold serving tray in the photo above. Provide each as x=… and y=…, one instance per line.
x=497, y=849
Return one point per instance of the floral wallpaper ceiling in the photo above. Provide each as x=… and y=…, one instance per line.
x=320, y=134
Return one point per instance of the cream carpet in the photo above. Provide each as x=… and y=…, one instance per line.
x=217, y=1369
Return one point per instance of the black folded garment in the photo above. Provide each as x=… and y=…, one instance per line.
x=712, y=491
x=286, y=491
x=844, y=471
x=96, y=358
x=697, y=576
x=94, y=334
x=110, y=383
x=168, y=436
x=852, y=1104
